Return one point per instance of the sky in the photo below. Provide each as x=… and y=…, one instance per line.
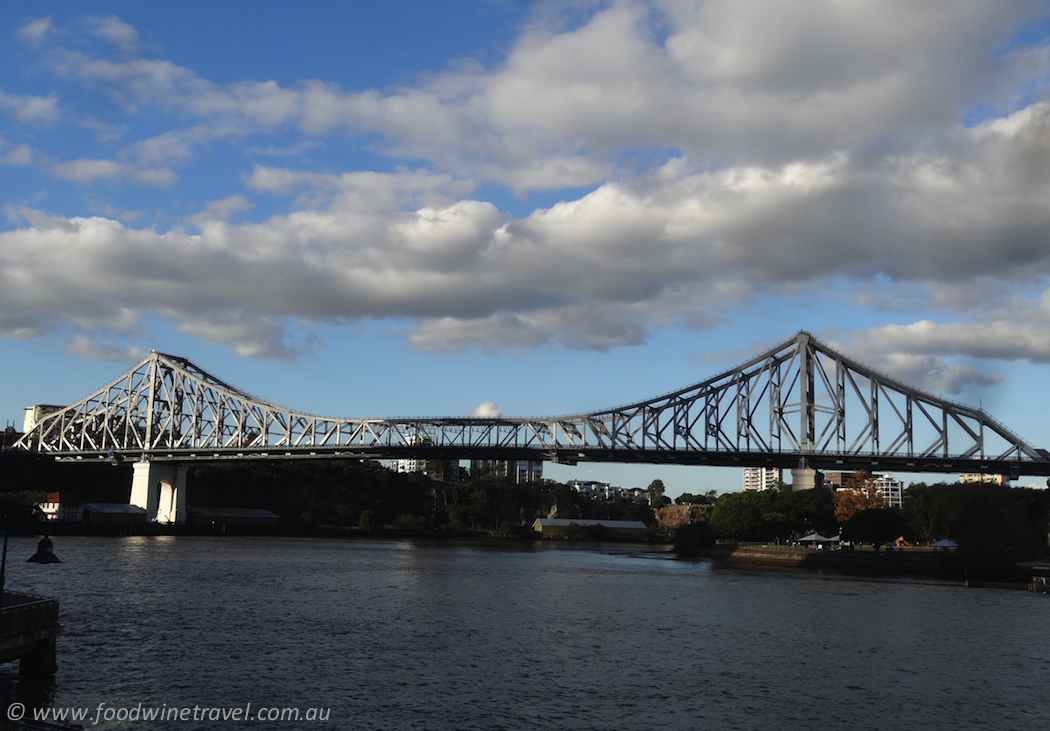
x=364, y=209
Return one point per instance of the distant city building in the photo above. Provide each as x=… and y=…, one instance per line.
x=519, y=471
x=33, y=414
x=9, y=436
x=596, y=489
x=589, y=488
x=413, y=464
x=444, y=469
x=890, y=489
x=979, y=477
x=761, y=478
x=409, y=465
x=835, y=480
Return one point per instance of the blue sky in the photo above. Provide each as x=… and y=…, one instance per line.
x=411, y=209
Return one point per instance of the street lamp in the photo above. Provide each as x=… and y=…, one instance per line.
x=45, y=553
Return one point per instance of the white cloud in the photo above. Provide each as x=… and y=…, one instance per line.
x=20, y=155
x=27, y=108
x=82, y=346
x=487, y=410
x=122, y=214
x=86, y=171
x=114, y=30
x=34, y=32
x=221, y=210
x=727, y=152
x=249, y=334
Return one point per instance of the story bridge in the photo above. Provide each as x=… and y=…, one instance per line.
x=798, y=405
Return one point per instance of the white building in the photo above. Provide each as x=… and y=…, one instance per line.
x=761, y=478
x=589, y=488
x=519, y=471
x=607, y=491
x=890, y=489
x=54, y=508
x=447, y=470
x=409, y=465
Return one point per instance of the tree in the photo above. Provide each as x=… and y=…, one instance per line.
x=688, y=498
x=693, y=538
x=738, y=515
x=990, y=522
x=656, y=493
x=874, y=526
x=808, y=510
x=859, y=493
x=368, y=521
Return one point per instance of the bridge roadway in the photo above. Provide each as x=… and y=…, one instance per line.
x=824, y=461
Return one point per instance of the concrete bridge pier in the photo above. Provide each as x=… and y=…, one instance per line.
x=160, y=488
x=804, y=477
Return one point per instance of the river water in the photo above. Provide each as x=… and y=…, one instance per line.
x=408, y=635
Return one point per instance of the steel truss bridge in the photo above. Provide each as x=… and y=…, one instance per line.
x=798, y=404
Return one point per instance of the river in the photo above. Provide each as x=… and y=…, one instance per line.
x=392, y=634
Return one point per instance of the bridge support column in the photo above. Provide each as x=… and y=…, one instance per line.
x=805, y=478
x=160, y=488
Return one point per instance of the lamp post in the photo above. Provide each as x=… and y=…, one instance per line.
x=3, y=567
x=45, y=553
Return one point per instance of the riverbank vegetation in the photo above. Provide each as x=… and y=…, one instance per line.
x=989, y=522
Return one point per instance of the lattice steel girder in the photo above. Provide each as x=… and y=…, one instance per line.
x=800, y=399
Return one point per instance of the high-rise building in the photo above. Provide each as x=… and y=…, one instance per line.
x=761, y=478
x=890, y=489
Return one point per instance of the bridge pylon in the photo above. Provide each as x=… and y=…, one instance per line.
x=160, y=488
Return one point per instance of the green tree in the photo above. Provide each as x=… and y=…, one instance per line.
x=688, y=498
x=738, y=515
x=20, y=504
x=368, y=521
x=990, y=522
x=693, y=538
x=565, y=498
x=656, y=493
x=806, y=511
x=875, y=526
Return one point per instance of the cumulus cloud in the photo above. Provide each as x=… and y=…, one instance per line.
x=82, y=346
x=706, y=154
x=487, y=410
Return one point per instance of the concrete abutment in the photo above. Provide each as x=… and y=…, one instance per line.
x=160, y=488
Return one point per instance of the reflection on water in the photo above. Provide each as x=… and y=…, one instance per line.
x=403, y=635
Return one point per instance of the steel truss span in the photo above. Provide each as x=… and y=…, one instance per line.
x=800, y=402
